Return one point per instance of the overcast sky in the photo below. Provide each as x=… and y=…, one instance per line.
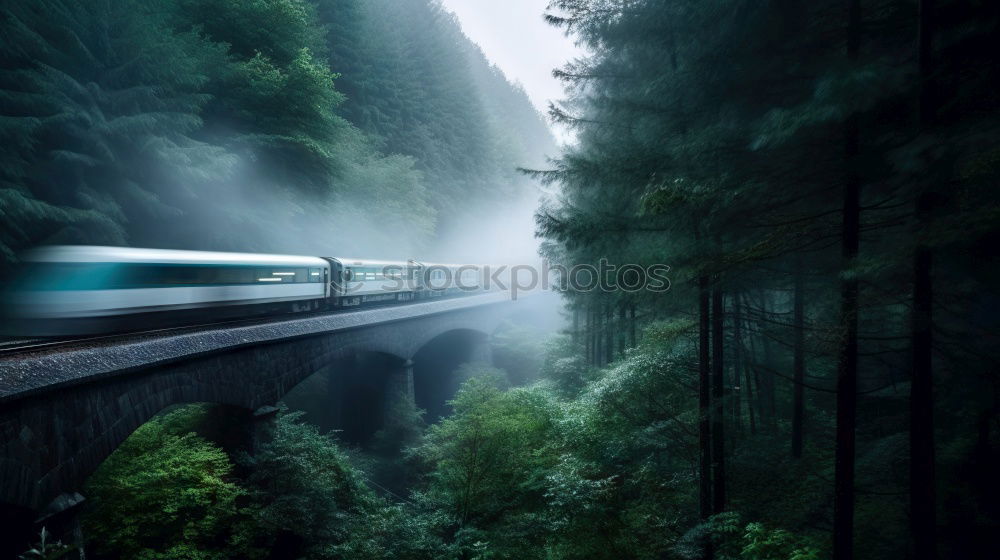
x=514, y=36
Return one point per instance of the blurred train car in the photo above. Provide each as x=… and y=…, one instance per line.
x=438, y=280
x=358, y=281
x=82, y=289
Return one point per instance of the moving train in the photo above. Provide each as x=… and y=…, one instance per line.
x=70, y=290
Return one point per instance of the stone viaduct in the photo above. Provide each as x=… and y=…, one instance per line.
x=63, y=410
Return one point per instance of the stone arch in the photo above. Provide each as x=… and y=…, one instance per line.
x=60, y=444
x=353, y=394
x=53, y=442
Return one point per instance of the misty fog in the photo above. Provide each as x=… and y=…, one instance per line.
x=405, y=144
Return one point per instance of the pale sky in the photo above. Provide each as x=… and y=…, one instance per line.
x=514, y=36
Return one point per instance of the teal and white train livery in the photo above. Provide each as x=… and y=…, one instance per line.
x=65, y=290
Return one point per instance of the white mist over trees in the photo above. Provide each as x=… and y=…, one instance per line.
x=324, y=127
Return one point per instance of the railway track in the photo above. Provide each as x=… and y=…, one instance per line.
x=14, y=346
x=16, y=342
x=10, y=346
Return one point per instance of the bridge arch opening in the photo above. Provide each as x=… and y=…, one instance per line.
x=226, y=426
x=436, y=366
x=352, y=395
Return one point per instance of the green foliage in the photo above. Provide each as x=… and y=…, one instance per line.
x=273, y=29
x=490, y=375
x=775, y=544
x=629, y=443
x=389, y=531
x=391, y=467
x=403, y=427
x=732, y=539
x=301, y=483
x=603, y=471
x=563, y=366
x=167, y=494
x=486, y=465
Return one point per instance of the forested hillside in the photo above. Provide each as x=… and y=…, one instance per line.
x=323, y=127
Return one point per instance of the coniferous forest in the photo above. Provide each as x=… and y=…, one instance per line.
x=822, y=178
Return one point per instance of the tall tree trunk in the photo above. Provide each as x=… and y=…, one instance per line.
x=740, y=362
x=595, y=326
x=735, y=389
x=925, y=54
x=704, y=401
x=847, y=366
x=718, y=403
x=923, y=526
x=609, y=332
x=597, y=334
x=750, y=398
x=631, y=326
x=922, y=498
x=770, y=384
x=588, y=336
x=576, y=324
x=621, y=329
x=799, y=362
x=752, y=362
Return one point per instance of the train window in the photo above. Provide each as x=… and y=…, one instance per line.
x=67, y=276
x=118, y=276
x=194, y=275
x=283, y=275
x=234, y=275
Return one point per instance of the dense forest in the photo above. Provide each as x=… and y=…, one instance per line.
x=819, y=382
x=822, y=177
x=310, y=127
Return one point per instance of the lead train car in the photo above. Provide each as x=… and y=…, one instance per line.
x=83, y=290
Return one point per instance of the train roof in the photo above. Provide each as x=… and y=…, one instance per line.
x=369, y=262
x=448, y=265
x=95, y=254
